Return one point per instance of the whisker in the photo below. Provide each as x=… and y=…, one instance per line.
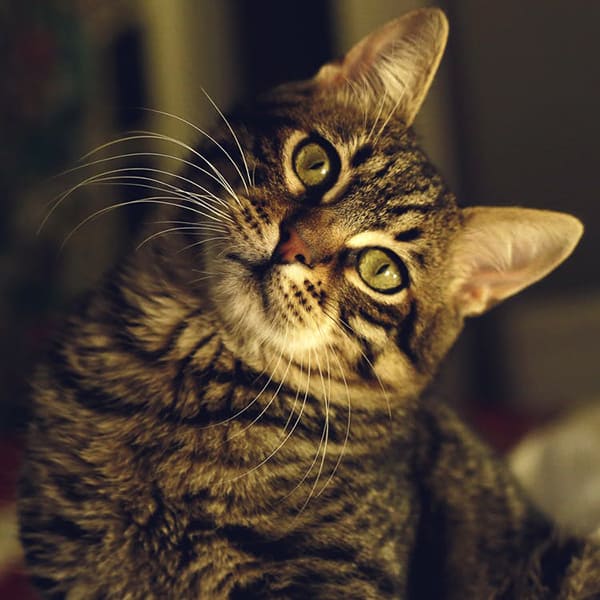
x=161, y=200
x=207, y=226
x=307, y=472
x=282, y=443
x=194, y=200
x=210, y=195
x=255, y=399
x=360, y=98
x=204, y=241
x=235, y=137
x=269, y=403
x=89, y=164
x=204, y=133
x=172, y=230
x=387, y=120
x=364, y=356
x=185, y=195
x=324, y=438
x=348, y=422
x=104, y=177
x=152, y=135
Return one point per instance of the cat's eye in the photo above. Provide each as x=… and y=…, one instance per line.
x=316, y=163
x=382, y=270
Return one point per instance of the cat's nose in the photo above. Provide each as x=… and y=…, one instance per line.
x=292, y=248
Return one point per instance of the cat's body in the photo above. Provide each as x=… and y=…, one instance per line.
x=258, y=433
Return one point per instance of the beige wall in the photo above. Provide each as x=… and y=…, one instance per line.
x=189, y=48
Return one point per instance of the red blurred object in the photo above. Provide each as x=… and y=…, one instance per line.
x=501, y=428
x=15, y=586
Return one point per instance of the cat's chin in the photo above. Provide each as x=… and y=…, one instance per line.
x=282, y=308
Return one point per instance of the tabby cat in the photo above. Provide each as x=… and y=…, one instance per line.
x=257, y=431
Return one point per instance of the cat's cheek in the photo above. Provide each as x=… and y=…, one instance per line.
x=397, y=373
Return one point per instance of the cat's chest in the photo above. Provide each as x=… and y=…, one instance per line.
x=364, y=524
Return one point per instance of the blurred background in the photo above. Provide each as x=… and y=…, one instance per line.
x=512, y=118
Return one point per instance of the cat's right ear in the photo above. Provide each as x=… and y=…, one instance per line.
x=394, y=65
x=501, y=250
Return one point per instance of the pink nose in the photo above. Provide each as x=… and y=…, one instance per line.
x=292, y=248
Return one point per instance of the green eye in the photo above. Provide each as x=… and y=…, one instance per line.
x=315, y=163
x=382, y=270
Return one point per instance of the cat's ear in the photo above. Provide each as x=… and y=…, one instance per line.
x=500, y=251
x=393, y=65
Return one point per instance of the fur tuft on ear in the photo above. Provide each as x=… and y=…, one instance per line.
x=392, y=67
x=500, y=251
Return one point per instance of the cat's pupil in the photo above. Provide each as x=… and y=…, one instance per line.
x=382, y=269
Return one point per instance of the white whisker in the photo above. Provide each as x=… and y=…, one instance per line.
x=210, y=137
x=340, y=328
x=105, y=177
x=267, y=406
x=348, y=422
x=174, y=230
x=91, y=163
x=204, y=241
x=161, y=200
x=285, y=439
x=235, y=137
x=152, y=135
x=207, y=226
x=130, y=180
x=387, y=120
x=324, y=437
x=255, y=399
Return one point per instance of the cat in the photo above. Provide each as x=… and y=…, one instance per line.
x=261, y=431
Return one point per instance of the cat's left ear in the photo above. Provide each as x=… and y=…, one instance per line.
x=394, y=65
x=500, y=251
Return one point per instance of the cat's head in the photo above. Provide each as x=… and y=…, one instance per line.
x=340, y=245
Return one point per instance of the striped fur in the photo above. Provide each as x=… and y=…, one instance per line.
x=256, y=432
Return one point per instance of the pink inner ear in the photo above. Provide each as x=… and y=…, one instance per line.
x=504, y=250
x=394, y=64
x=364, y=55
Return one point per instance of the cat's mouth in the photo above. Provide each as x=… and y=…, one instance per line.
x=284, y=301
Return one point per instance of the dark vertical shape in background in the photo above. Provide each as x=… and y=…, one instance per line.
x=129, y=71
x=488, y=380
x=281, y=41
x=127, y=67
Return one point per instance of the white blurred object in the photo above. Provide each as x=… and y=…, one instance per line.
x=559, y=467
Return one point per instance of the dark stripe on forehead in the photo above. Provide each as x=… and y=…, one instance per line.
x=409, y=235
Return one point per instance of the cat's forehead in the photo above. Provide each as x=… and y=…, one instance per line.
x=341, y=120
x=381, y=167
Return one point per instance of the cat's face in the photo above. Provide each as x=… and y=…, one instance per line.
x=338, y=248
x=341, y=247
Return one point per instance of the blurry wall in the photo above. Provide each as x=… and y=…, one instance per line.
x=526, y=92
x=511, y=119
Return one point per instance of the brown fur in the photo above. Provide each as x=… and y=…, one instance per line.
x=258, y=433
